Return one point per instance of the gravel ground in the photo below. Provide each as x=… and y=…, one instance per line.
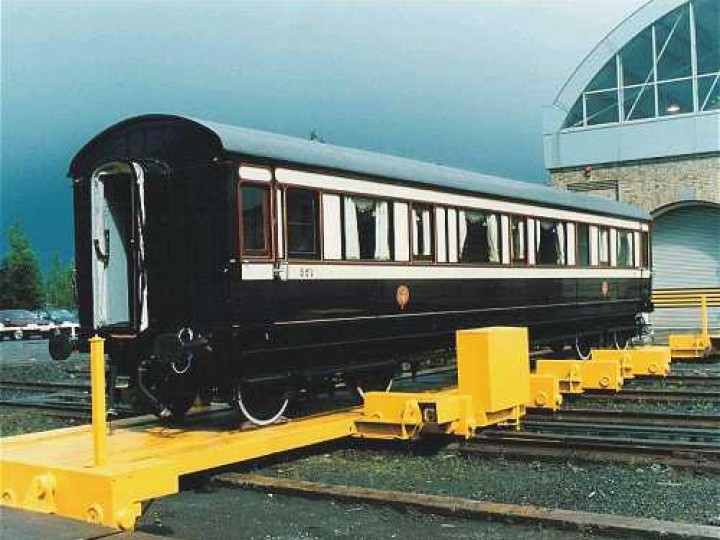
x=652, y=491
x=246, y=514
x=30, y=361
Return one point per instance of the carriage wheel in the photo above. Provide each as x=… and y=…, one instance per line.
x=261, y=405
x=621, y=340
x=583, y=348
x=381, y=381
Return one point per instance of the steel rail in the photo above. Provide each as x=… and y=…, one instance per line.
x=597, y=442
x=44, y=385
x=609, y=416
x=591, y=452
x=656, y=432
x=632, y=394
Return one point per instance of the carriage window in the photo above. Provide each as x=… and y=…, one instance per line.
x=550, y=241
x=422, y=232
x=625, y=250
x=367, y=225
x=302, y=224
x=478, y=236
x=603, y=246
x=644, y=250
x=583, y=244
x=255, y=220
x=518, y=233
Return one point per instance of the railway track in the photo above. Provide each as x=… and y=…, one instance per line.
x=602, y=448
x=681, y=440
x=676, y=381
x=54, y=398
x=661, y=394
x=608, y=416
x=44, y=385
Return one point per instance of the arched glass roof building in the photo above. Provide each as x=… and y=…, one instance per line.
x=639, y=121
x=651, y=88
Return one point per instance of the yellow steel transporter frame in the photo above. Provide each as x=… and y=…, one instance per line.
x=103, y=474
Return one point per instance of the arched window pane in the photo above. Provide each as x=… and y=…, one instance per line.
x=709, y=92
x=602, y=107
x=707, y=35
x=606, y=77
x=675, y=98
x=672, y=44
x=637, y=59
x=575, y=116
x=639, y=102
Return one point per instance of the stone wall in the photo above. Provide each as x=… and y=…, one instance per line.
x=649, y=184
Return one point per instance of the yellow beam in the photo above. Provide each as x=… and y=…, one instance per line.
x=97, y=383
x=55, y=472
x=89, y=474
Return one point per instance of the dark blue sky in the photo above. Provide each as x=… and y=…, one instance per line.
x=460, y=84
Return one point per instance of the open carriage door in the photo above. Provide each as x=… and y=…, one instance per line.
x=118, y=247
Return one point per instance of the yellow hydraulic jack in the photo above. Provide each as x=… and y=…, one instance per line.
x=694, y=346
x=91, y=474
x=545, y=392
x=567, y=372
x=644, y=361
x=493, y=388
x=576, y=376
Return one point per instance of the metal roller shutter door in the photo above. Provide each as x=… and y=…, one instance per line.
x=686, y=254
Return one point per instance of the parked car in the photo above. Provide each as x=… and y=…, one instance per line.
x=61, y=316
x=11, y=332
x=65, y=321
x=23, y=324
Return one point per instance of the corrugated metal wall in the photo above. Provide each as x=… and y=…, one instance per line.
x=686, y=254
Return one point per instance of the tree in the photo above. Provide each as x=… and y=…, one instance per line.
x=20, y=279
x=59, y=285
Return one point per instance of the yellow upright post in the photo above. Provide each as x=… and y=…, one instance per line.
x=704, y=317
x=97, y=376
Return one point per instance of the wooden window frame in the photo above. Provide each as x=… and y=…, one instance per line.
x=391, y=227
x=608, y=263
x=319, y=230
x=501, y=237
x=564, y=224
x=513, y=261
x=267, y=252
x=579, y=224
x=427, y=259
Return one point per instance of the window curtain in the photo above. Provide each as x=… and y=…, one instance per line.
x=462, y=229
x=560, y=242
x=352, y=241
x=603, y=254
x=415, y=235
x=382, y=224
x=520, y=253
x=427, y=241
x=493, y=236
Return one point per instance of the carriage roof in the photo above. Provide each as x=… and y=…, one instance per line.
x=312, y=154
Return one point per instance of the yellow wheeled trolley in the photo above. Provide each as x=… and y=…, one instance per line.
x=104, y=475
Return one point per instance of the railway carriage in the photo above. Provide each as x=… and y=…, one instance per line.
x=248, y=266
